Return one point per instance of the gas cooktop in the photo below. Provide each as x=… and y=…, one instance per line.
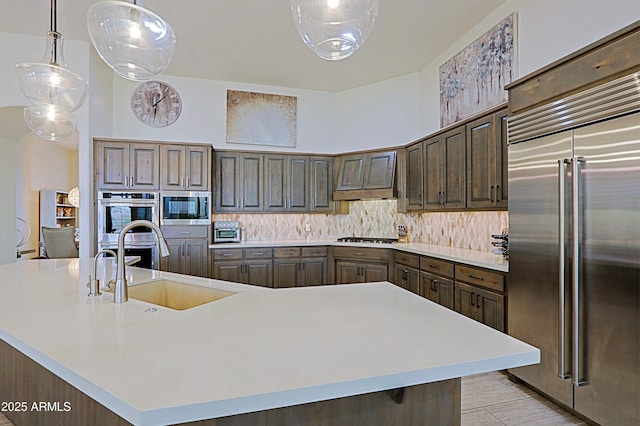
x=367, y=240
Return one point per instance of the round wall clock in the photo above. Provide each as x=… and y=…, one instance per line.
x=156, y=104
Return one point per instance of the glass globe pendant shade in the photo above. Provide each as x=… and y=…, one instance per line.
x=135, y=42
x=50, y=82
x=74, y=196
x=334, y=29
x=50, y=122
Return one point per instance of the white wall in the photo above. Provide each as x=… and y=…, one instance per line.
x=547, y=31
x=203, y=117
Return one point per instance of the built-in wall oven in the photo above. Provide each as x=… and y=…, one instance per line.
x=185, y=208
x=117, y=209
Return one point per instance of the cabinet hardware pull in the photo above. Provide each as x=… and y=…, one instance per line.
x=476, y=278
x=433, y=266
x=227, y=254
x=258, y=253
x=188, y=249
x=444, y=198
x=478, y=300
x=188, y=182
x=182, y=184
x=182, y=249
x=472, y=297
x=358, y=253
x=185, y=232
x=491, y=194
x=497, y=192
x=434, y=285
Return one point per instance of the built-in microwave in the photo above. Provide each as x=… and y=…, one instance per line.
x=185, y=208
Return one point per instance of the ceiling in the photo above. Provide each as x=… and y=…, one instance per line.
x=255, y=41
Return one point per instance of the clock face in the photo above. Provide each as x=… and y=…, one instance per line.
x=156, y=104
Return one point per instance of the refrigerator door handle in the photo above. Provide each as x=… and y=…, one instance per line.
x=575, y=244
x=562, y=338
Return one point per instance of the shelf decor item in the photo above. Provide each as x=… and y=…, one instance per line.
x=135, y=42
x=53, y=89
x=334, y=29
x=473, y=80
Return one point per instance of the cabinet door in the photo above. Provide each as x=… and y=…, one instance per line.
x=144, y=161
x=455, y=169
x=275, y=180
x=351, y=174
x=321, y=184
x=173, y=262
x=437, y=289
x=227, y=181
x=434, y=154
x=502, y=175
x=227, y=270
x=374, y=273
x=314, y=271
x=408, y=278
x=415, y=176
x=490, y=307
x=258, y=272
x=172, y=160
x=297, y=183
x=251, y=184
x=196, y=257
x=465, y=300
x=481, y=162
x=348, y=272
x=112, y=166
x=380, y=170
x=285, y=272
x=197, y=168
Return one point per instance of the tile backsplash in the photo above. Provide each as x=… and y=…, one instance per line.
x=378, y=218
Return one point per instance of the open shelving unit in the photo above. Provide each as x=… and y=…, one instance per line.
x=56, y=211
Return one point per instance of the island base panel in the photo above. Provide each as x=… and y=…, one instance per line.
x=22, y=379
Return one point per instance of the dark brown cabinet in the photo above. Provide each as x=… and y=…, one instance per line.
x=238, y=182
x=445, y=168
x=300, y=266
x=486, y=161
x=321, y=181
x=366, y=175
x=249, y=266
x=185, y=167
x=286, y=183
x=479, y=294
x=437, y=289
x=406, y=274
x=414, y=177
x=360, y=264
x=188, y=246
x=124, y=165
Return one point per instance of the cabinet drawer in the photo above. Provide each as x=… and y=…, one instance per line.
x=436, y=266
x=361, y=253
x=480, y=277
x=185, y=231
x=314, y=252
x=286, y=252
x=227, y=254
x=407, y=259
x=258, y=253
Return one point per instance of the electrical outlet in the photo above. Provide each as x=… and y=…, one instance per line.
x=307, y=227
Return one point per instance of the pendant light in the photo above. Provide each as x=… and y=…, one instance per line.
x=135, y=42
x=53, y=89
x=334, y=29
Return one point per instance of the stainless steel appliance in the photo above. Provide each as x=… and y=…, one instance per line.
x=574, y=248
x=185, y=208
x=226, y=231
x=117, y=209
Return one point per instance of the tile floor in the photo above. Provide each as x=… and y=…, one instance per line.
x=492, y=400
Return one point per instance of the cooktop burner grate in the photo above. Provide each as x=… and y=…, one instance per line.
x=367, y=240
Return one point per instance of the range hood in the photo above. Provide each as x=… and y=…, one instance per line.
x=368, y=175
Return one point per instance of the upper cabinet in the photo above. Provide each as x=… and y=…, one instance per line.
x=366, y=175
x=124, y=165
x=286, y=183
x=415, y=176
x=445, y=170
x=486, y=161
x=321, y=184
x=238, y=181
x=185, y=167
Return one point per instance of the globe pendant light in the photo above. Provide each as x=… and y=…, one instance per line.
x=52, y=88
x=135, y=42
x=334, y=29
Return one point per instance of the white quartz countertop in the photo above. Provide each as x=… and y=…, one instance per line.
x=482, y=259
x=258, y=349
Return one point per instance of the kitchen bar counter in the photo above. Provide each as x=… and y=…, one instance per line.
x=478, y=258
x=257, y=350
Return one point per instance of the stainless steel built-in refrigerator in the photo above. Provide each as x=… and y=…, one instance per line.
x=574, y=247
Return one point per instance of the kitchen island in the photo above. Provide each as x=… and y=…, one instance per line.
x=298, y=355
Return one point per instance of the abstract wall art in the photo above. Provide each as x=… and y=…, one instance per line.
x=261, y=119
x=474, y=79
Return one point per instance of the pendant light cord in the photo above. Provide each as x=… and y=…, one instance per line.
x=54, y=13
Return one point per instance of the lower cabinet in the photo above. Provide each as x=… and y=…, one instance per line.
x=437, y=289
x=350, y=272
x=300, y=266
x=406, y=274
x=481, y=297
x=247, y=266
x=188, y=254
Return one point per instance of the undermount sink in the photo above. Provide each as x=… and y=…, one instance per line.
x=176, y=295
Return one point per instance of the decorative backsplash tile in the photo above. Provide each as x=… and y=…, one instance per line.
x=378, y=218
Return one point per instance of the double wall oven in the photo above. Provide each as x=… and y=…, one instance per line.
x=117, y=209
